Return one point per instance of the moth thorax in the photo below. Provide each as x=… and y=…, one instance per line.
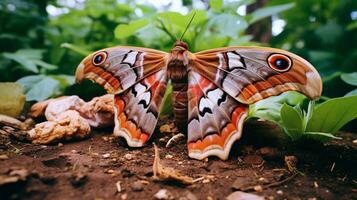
x=177, y=71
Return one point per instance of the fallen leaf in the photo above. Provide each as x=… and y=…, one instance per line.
x=166, y=173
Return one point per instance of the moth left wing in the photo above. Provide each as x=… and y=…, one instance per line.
x=137, y=109
x=250, y=74
x=215, y=119
x=137, y=78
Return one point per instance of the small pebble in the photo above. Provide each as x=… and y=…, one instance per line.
x=105, y=139
x=109, y=171
x=279, y=192
x=258, y=188
x=263, y=180
x=180, y=162
x=315, y=184
x=107, y=155
x=128, y=156
x=137, y=186
x=73, y=151
x=163, y=194
x=60, y=144
x=168, y=156
x=124, y=196
x=206, y=181
x=188, y=196
x=354, y=141
x=243, y=195
x=4, y=157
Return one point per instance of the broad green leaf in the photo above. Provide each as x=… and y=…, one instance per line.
x=269, y=109
x=29, y=59
x=320, y=136
x=31, y=53
x=350, y=78
x=292, y=122
x=267, y=11
x=45, y=65
x=333, y=114
x=173, y=18
x=75, y=48
x=39, y=87
x=24, y=62
x=216, y=5
x=351, y=93
x=126, y=30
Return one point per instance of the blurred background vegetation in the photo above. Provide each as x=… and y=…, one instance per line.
x=42, y=42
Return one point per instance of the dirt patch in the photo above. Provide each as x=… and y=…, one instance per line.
x=102, y=167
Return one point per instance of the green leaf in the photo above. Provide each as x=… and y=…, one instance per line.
x=269, y=109
x=320, y=136
x=267, y=11
x=333, y=114
x=351, y=93
x=126, y=30
x=31, y=53
x=76, y=49
x=292, y=121
x=39, y=87
x=25, y=63
x=30, y=59
x=350, y=78
x=45, y=65
x=216, y=5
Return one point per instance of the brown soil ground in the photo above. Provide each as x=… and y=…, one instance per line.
x=78, y=169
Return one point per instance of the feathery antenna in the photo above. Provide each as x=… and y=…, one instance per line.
x=188, y=25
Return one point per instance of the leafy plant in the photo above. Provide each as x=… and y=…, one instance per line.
x=319, y=122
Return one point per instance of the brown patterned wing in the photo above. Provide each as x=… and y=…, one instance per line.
x=215, y=119
x=137, y=77
x=137, y=109
x=250, y=74
x=119, y=68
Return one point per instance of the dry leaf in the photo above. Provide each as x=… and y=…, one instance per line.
x=166, y=173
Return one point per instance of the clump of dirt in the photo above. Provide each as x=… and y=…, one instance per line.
x=261, y=165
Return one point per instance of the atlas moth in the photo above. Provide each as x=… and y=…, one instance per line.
x=212, y=89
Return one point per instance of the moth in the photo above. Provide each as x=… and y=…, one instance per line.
x=212, y=89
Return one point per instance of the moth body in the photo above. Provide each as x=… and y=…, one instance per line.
x=177, y=72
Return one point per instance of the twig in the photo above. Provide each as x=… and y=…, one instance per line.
x=250, y=188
